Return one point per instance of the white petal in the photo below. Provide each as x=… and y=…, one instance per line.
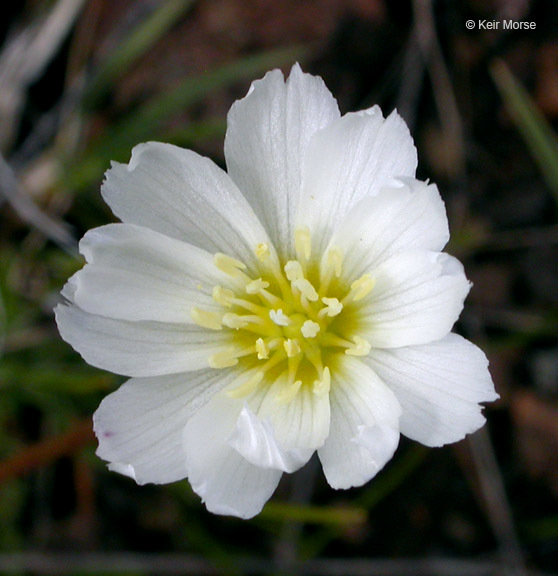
x=416, y=299
x=134, y=273
x=255, y=440
x=301, y=423
x=137, y=348
x=227, y=483
x=185, y=196
x=352, y=158
x=364, y=430
x=410, y=216
x=439, y=386
x=140, y=426
x=267, y=137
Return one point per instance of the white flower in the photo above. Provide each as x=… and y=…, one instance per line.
x=299, y=303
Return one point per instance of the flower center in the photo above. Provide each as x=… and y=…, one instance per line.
x=288, y=323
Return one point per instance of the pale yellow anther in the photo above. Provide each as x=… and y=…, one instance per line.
x=362, y=287
x=303, y=243
x=206, y=319
x=279, y=318
x=228, y=265
x=256, y=286
x=223, y=359
x=223, y=296
x=247, y=387
x=262, y=349
x=335, y=260
x=293, y=270
x=292, y=347
x=332, y=307
x=234, y=321
x=323, y=385
x=289, y=392
x=306, y=289
x=361, y=347
x=262, y=251
x=310, y=329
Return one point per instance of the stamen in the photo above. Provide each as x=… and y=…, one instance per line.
x=361, y=347
x=303, y=244
x=323, y=384
x=335, y=260
x=310, y=329
x=256, y=286
x=234, y=321
x=361, y=288
x=228, y=265
x=247, y=387
x=223, y=296
x=206, y=319
x=333, y=308
x=262, y=251
x=262, y=349
x=224, y=359
x=306, y=288
x=293, y=270
x=289, y=392
x=292, y=347
x=279, y=318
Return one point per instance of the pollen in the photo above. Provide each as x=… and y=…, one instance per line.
x=286, y=322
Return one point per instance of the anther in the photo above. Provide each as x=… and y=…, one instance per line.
x=303, y=244
x=335, y=260
x=310, y=329
x=279, y=318
x=361, y=347
x=247, y=387
x=262, y=349
x=362, y=287
x=256, y=286
x=289, y=392
x=223, y=296
x=228, y=265
x=323, y=384
x=262, y=251
x=292, y=347
x=306, y=288
x=332, y=307
x=223, y=359
x=234, y=321
x=293, y=270
x=206, y=319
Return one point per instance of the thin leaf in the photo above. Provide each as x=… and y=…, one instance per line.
x=537, y=133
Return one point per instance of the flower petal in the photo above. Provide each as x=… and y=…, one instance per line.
x=185, y=196
x=134, y=273
x=227, y=483
x=352, y=158
x=140, y=426
x=255, y=440
x=417, y=297
x=300, y=423
x=137, y=348
x=409, y=216
x=364, y=430
x=439, y=386
x=267, y=137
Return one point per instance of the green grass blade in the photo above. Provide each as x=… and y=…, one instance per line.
x=133, y=47
x=537, y=133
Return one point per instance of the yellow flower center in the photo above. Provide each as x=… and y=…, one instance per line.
x=288, y=323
